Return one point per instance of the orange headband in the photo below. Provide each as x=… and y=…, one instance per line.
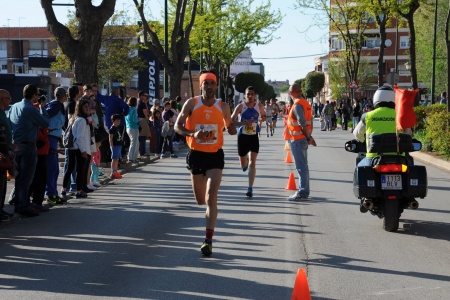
x=206, y=76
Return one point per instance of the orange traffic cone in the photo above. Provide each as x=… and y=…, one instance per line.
x=291, y=186
x=288, y=157
x=286, y=146
x=301, y=288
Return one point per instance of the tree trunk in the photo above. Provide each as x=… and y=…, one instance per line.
x=83, y=50
x=179, y=42
x=175, y=78
x=191, y=84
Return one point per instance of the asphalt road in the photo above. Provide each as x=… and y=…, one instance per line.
x=139, y=237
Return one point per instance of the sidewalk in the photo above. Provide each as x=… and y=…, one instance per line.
x=103, y=180
x=432, y=160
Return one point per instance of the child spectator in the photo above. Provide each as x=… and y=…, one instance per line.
x=95, y=169
x=115, y=143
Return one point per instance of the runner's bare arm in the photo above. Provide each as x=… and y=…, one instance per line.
x=229, y=124
x=263, y=112
x=182, y=116
x=235, y=115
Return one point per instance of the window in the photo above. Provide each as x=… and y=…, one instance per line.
x=35, y=45
x=4, y=67
x=18, y=67
x=337, y=43
x=2, y=45
x=368, y=17
x=134, y=82
x=404, y=42
x=372, y=43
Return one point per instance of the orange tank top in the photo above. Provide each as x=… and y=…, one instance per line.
x=210, y=119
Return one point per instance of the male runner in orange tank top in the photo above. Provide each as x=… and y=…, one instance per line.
x=202, y=120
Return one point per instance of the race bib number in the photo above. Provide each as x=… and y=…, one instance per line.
x=249, y=130
x=211, y=133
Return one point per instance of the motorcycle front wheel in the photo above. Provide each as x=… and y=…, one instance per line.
x=391, y=212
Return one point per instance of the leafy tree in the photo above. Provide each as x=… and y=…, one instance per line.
x=268, y=92
x=424, y=46
x=381, y=10
x=81, y=48
x=349, y=21
x=407, y=9
x=314, y=83
x=184, y=13
x=307, y=92
x=339, y=80
x=117, y=60
x=246, y=79
x=284, y=88
x=223, y=29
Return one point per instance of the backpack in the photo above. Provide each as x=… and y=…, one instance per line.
x=165, y=129
x=67, y=139
x=329, y=110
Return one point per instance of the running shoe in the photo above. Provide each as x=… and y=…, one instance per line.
x=245, y=168
x=96, y=184
x=206, y=247
x=55, y=200
x=297, y=197
x=116, y=175
x=91, y=187
x=249, y=192
x=174, y=156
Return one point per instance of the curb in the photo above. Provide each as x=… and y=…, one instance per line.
x=430, y=159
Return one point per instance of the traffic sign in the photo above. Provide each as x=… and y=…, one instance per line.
x=353, y=85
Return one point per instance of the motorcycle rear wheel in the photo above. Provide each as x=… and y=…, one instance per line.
x=391, y=212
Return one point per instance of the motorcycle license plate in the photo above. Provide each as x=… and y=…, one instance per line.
x=391, y=182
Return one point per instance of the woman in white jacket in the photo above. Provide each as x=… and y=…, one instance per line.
x=81, y=152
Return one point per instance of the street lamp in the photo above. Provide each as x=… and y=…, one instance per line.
x=408, y=66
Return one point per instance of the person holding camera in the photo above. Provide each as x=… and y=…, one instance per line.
x=39, y=182
x=25, y=121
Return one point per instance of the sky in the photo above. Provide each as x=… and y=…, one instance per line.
x=290, y=56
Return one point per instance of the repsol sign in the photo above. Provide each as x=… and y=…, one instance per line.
x=149, y=77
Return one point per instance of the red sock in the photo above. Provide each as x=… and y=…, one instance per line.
x=209, y=234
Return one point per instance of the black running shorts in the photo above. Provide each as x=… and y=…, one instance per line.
x=199, y=162
x=247, y=143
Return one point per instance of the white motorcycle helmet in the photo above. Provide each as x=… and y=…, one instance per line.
x=383, y=94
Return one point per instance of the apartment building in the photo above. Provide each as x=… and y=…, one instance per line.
x=395, y=60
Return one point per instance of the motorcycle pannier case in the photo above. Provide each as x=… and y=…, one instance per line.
x=387, y=142
x=417, y=182
x=365, y=183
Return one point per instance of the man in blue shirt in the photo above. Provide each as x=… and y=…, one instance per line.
x=25, y=120
x=113, y=105
x=56, y=113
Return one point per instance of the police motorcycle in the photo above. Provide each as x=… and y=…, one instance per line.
x=388, y=181
x=392, y=181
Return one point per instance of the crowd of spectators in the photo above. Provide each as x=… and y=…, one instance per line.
x=112, y=128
